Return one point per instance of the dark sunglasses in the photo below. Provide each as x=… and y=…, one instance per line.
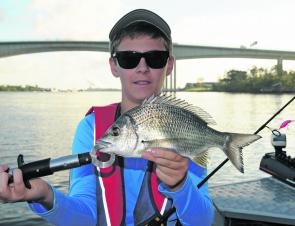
x=130, y=59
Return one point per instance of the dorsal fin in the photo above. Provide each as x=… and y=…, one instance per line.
x=173, y=101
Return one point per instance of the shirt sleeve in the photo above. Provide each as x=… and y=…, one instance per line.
x=193, y=205
x=78, y=208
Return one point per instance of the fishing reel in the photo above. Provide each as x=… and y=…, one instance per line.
x=279, y=141
x=278, y=163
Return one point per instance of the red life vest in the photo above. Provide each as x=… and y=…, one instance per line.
x=151, y=204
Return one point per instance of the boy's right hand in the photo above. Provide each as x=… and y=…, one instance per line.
x=40, y=192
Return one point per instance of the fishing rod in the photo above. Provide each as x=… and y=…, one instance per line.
x=256, y=132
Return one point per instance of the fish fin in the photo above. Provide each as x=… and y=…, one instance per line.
x=201, y=159
x=234, y=145
x=149, y=100
x=173, y=101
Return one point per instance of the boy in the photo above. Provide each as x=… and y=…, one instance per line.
x=134, y=191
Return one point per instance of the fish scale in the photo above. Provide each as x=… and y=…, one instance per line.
x=192, y=130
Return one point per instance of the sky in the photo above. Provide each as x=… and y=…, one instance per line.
x=225, y=23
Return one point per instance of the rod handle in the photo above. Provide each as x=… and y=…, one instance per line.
x=31, y=170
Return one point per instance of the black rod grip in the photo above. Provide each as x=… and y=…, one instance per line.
x=36, y=169
x=84, y=158
x=48, y=166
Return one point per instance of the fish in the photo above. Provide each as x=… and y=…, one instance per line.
x=163, y=121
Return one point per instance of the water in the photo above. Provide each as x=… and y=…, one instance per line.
x=42, y=125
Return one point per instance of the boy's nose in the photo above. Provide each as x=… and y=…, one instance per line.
x=142, y=65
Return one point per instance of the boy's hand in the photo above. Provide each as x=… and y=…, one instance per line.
x=17, y=192
x=171, y=168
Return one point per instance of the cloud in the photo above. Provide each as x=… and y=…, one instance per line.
x=64, y=20
x=73, y=20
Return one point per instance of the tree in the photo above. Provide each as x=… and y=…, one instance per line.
x=235, y=76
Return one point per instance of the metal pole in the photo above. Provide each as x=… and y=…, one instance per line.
x=174, y=76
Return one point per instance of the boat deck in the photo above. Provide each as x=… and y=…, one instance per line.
x=263, y=200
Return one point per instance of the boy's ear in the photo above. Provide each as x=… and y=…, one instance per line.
x=113, y=66
x=170, y=65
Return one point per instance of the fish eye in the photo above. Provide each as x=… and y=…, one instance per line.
x=116, y=131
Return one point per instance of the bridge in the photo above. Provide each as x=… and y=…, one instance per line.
x=180, y=52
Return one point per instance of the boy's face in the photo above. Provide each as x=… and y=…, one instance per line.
x=142, y=81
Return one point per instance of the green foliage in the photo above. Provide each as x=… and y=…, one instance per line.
x=257, y=80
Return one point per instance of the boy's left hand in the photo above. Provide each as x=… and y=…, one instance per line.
x=171, y=168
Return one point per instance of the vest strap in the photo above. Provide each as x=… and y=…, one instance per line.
x=110, y=204
x=150, y=203
x=111, y=208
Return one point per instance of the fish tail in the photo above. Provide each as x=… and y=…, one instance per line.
x=234, y=145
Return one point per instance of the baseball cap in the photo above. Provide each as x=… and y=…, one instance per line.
x=141, y=15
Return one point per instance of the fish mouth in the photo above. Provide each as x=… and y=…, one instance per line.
x=101, y=144
x=96, y=152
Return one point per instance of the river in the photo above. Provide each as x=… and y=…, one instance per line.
x=42, y=125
